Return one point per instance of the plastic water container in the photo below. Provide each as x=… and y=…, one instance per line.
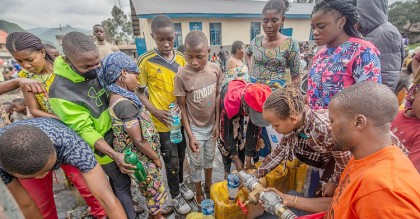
x=273, y=136
x=223, y=207
x=207, y=208
x=233, y=186
x=175, y=133
x=139, y=174
x=291, y=178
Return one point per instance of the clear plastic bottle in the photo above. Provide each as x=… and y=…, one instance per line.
x=175, y=133
x=233, y=186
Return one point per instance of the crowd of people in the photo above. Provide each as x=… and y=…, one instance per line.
x=92, y=103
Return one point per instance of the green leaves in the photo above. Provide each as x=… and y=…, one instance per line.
x=403, y=14
x=119, y=26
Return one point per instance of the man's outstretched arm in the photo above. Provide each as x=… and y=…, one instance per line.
x=100, y=188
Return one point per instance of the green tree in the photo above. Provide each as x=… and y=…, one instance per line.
x=403, y=14
x=119, y=26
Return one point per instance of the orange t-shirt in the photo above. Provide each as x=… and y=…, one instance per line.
x=382, y=185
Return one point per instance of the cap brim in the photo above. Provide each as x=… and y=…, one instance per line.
x=257, y=119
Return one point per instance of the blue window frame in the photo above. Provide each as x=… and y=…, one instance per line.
x=255, y=29
x=215, y=34
x=196, y=26
x=311, y=35
x=287, y=31
x=178, y=35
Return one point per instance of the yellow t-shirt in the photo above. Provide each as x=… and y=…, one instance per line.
x=157, y=74
x=46, y=80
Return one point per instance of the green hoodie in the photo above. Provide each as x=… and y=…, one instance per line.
x=82, y=105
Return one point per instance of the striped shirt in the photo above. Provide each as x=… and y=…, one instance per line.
x=157, y=74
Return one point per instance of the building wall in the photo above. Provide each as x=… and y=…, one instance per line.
x=232, y=28
x=301, y=28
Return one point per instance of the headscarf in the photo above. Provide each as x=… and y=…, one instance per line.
x=112, y=66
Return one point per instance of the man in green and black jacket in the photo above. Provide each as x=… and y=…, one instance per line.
x=79, y=100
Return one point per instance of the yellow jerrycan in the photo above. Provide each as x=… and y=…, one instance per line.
x=291, y=178
x=223, y=207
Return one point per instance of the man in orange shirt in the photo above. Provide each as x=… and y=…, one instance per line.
x=379, y=181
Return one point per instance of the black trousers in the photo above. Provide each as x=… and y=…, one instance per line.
x=120, y=184
x=173, y=155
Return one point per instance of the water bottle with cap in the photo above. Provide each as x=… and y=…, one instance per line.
x=139, y=174
x=175, y=133
x=233, y=186
x=207, y=208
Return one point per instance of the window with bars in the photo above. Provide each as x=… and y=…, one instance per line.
x=178, y=35
x=255, y=29
x=215, y=34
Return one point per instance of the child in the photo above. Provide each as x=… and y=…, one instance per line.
x=104, y=47
x=19, y=110
x=197, y=91
x=52, y=51
x=157, y=71
x=132, y=125
x=406, y=125
x=8, y=107
x=5, y=110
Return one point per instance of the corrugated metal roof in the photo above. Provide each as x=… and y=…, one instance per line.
x=145, y=8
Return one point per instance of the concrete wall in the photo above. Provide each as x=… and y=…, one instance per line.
x=232, y=28
x=301, y=28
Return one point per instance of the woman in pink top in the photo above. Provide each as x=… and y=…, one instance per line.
x=406, y=125
x=346, y=59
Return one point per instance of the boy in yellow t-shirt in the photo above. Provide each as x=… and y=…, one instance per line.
x=158, y=68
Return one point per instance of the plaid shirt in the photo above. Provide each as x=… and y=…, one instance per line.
x=312, y=141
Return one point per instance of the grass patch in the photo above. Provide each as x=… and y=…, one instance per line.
x=413, y=46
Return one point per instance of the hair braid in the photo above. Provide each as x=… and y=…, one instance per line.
x=285, y=102
x=19, y=41
x=279, y=5
x=346, y=8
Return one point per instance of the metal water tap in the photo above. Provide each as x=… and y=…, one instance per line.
x=254, y=186
x=274, y=204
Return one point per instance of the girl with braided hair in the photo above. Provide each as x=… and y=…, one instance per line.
x=30, y=53
x=272, y=55
x=346, y=59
